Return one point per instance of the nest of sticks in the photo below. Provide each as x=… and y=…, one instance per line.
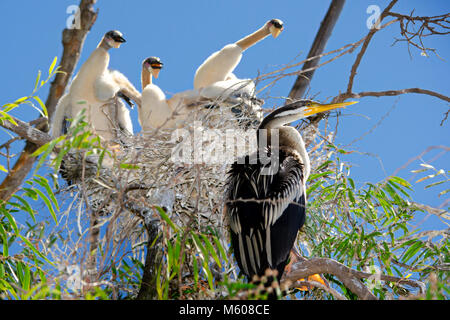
x=182, y=171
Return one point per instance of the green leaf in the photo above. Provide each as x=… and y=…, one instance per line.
x=11, y=220
x=412, y=250
x=21, y=100
x=48, y=149
x=129, y=166
x=31, y=246
x=401, y=181
x=166, y=218
x=52, y=66
x=323, y=165
x=352, y=183
x=48, y=204
x=4, y=236
x=221, y=249
x=200, y=248
x=37, y=81
x=43, y=107
x=195, y=267
x=26, y=206
x=436, y=183
x=399, y=188
x=318, y=175
x=26, y=280
x=211, y=249
x=44, y=183
x=8, y=118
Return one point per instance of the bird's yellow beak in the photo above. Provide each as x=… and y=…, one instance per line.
x=275, y=31
x=314, y=108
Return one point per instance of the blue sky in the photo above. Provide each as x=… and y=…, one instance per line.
x=184, y=33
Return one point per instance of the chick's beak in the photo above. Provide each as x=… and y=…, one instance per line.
x=156, y=68
x=275, y=31
x=120, y=39
x=314, y=108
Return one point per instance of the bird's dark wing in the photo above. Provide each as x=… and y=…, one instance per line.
x=65, y=126
x=265, y=213
x=127, y=99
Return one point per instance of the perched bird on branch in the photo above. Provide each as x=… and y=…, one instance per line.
x=266, y=197
x=97, y=89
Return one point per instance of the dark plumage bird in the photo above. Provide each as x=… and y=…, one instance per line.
x=266, y=195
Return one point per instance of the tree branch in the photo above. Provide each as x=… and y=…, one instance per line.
x=73, y=40
x=317, y=49
x=346, y=95
x=307, y=268
x=365, y=45
x=27, y=132
x=437, y=25
x=349, y=277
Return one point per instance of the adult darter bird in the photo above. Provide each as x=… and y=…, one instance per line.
x=266, y=196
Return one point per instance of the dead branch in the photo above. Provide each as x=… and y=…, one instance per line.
x=317, y=48
x=349, y=95
x=27, y=132
x=445, y=117
x=437, y=25
x=365, y=45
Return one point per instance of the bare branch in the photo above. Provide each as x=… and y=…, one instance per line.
x=445, y=117
x=317, y=48
x=307, y=268
x=349, y=277
x=365, y=45
x=437, y=25
x=27, y=132
x=348, y=95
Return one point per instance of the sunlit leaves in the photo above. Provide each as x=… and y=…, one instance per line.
x=370, y=224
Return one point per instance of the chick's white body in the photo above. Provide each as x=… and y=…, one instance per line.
x=155, y=112
x=94, y=89
x=218, y=66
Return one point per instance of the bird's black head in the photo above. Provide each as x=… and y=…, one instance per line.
x=298, y=110
x=153, y=62
x=275, y=27
x=277, y=23
x=153, y=65
x=112, y=39
x=115, y=35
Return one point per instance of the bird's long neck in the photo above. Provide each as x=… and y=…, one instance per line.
x=104, y=44
x=287, y=136
x=291, y=138
x=94, y=66
x=253, y=38
x=146, y=77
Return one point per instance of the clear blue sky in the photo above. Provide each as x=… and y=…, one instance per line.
x=184, y=33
